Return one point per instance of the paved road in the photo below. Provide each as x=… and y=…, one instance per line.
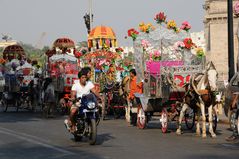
x=27, y=135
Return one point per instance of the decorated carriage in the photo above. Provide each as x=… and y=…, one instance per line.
x=105, y=60
x=62, y=67
x=165, y=58
x=17, y=76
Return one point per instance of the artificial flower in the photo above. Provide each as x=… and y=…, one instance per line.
x=155, y=55
x=236, y=8
x=133, y=33
x=185, y=26
x=179, y=46
x=146, y=28
x=188, y=43
x=199, y=52
x=160, y=18
x=172, y=25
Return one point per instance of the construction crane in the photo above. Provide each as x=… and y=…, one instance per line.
x=40, y=40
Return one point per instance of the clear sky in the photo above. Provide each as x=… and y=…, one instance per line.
x=26, y=20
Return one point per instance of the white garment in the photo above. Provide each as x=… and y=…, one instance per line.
x=82, y=90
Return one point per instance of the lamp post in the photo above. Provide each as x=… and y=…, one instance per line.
x=88, y=17
x=230, y=40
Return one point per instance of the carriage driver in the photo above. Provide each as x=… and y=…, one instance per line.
x=134, y=88
x=79, y=88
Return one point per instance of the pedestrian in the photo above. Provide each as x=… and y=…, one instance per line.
x=49, y=98
x=235, y=128
x=134, y=88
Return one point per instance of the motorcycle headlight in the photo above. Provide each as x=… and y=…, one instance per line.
x=91, y=105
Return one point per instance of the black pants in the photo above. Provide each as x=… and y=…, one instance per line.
x=133, y=120
x=235, y=133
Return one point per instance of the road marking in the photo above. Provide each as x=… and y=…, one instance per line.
x=33, y=139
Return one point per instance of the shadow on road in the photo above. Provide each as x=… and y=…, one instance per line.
x=101, y=138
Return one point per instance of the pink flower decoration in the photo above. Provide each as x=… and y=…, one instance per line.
x=157, y=53
x=185, y=26
x=145, y=44
x=236, y=8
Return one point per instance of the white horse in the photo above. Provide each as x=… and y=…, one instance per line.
x=203, y=85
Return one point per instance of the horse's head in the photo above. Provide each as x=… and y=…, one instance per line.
x=212, y=76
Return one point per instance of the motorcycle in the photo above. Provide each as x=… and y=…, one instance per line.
x=87, y=118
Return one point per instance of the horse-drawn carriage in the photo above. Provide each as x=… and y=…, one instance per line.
x=164, y=61
x=106, y=67
x=18, y=76
x=62, y=66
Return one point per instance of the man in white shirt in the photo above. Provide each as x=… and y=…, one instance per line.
x=80, y=87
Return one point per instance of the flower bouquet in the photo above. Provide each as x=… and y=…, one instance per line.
x=155, y=56
x=199, y=52
x=179, y=46
x=146, y=28
x=160, y=18
x=185, y=26
x=236, y=9
x=133, y=33
x=172, y=25
x=188, y=43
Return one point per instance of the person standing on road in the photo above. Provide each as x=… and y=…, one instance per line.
x=134, y=88
x=49, y=97
x=235, y=105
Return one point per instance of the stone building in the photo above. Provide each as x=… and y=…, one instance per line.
x=216, y=35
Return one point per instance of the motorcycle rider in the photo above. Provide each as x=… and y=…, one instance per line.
x=80, y=87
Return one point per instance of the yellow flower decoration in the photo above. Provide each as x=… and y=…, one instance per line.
x=146, y=27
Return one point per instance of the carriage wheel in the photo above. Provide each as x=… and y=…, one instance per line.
x=141, y=118
x=164, y=121
x=189, y=118
x=4, y=106
x=238, y=123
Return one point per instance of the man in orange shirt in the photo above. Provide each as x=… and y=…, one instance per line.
x=134, y=88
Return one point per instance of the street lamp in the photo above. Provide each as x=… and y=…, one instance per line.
x=88, y=17
x=231, y=69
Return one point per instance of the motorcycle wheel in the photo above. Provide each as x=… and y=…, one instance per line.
x=77, y=137
x=92, y=132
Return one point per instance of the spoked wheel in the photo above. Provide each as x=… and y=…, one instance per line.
x=141, y=118
x=3, y=106
x=189, y=118
x=164, y=120
x=238, y=122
